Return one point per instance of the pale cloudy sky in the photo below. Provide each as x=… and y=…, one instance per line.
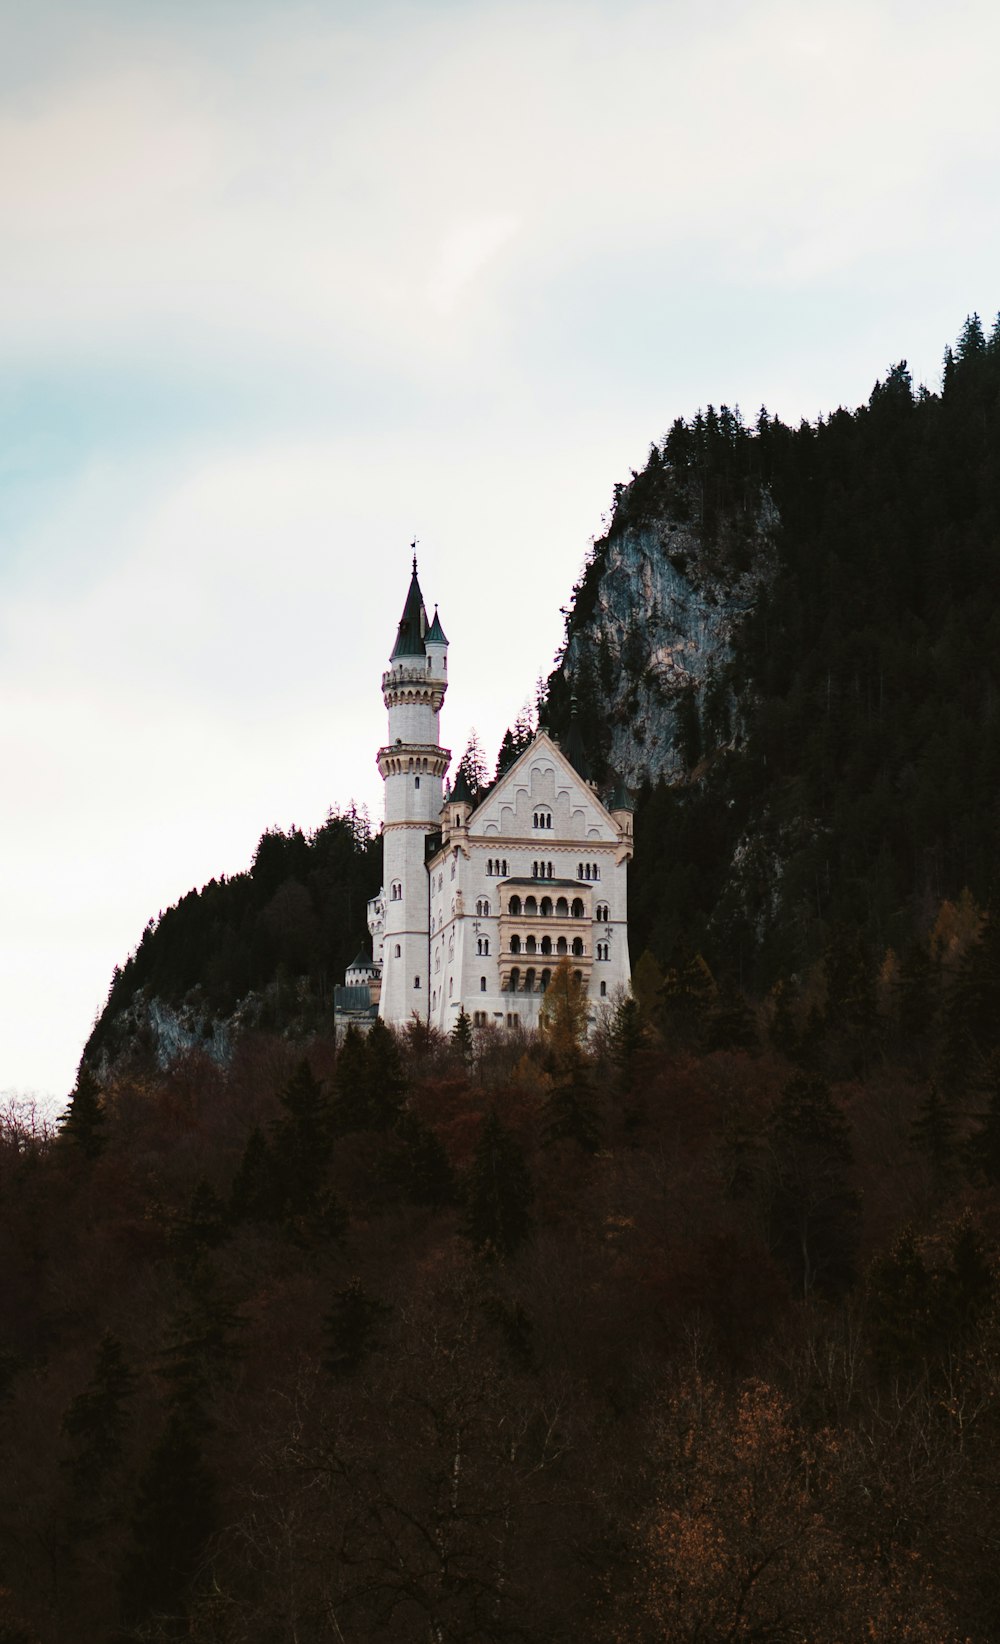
x=282, y=284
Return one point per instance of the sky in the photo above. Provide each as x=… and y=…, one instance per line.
x=287, y=283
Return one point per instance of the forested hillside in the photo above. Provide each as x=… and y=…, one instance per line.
x=839, y=755
x=692, y=1333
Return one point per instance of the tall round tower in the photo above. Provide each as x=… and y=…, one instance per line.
x=412, y=765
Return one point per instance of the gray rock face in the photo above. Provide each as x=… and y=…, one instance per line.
x=659, y=638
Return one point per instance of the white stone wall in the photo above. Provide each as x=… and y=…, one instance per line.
x=502, y=833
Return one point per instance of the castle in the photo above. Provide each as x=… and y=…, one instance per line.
x=481, y=900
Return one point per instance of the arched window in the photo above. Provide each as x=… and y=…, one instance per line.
x=416, y=981
x=451, y=986
x=578, y=947
x=561, y=945
x=416, y=781
x=486, y=908
x=489, y=868
x=542, y=819
x=534, y=870
x=530, y=906
x=515, y=944
x=479, y=945
x=577, y=909
x=562, y=908
x=578, y=975
x=597, y=872
x=396, y=891
x=579, y=870
x=546, y=979
x=482, y=984
x=514, y=906
x=396, y=954
x=604, y=990
x=515, y=979
x=486, y=945
x=546, y=946
x=545, y=907
x=503, y=868
x=529, y=981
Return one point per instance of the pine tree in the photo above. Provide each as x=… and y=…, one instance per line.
x=95, y=1421
x=498, y=1192
x=203, y=1225
x=568, y=1113
x=933, y=1132
x=84, y=1120
x=175, y=1514
x=350, y=1329
x=420, y=1166
x=302, y=1141
x=255, y=1195
x=461, y=1038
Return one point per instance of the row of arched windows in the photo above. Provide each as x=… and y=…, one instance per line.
x=587, y=870
x=602, y=912
x=604, y=950
x=496, y=866
x=531, y=907
x=542, y=819
x=483, y=907
x=395, y=891
x=483, y=945
x=542, y=870
x=543, y=945
x=532, y=981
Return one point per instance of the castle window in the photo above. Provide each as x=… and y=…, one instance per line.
x=578, y=947
x=479, y=945
x=453, y=869
x=416, y=781
x=529, y=981
x=479, y=1018
x=515, y=979
x=514, y=906
x=561, y=945
x=503, y=868
x=542, y=819
x=482, y=984
x=458, y=819
x=546, y=907
x=562, y=908
x=489, y=868
x=604, y=990
x=530, y=906
x=515, y=944
x=396, y=954
x=597, y=872
x=546, y=979
x=549, y=874
x=529, y=946
x=579, y=870
x=451, y=986
x=546, y=946
x=486, y=908
x=577, y=909
x=416, y=981
x=486, y=945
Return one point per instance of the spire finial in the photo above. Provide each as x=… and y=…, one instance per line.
x=413, y=545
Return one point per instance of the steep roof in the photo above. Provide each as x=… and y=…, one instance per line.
x=435, y=634
x=412, y=623
x=461, y=793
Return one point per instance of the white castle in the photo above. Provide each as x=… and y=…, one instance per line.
x=482, y=900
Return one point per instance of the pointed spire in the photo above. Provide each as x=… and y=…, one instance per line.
x=413, y=622
x=435, y=634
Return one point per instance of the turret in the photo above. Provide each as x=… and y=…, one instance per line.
x=412, y=765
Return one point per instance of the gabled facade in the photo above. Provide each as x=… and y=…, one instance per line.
x=482, y=901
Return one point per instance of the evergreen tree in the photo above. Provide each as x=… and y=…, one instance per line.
x=933, y=1132
x=813, y=1214
x=687, y=998
x=387, y=1079
x=203, y=1225
x=626, y=1038
x=95, y=1421
x=461, y=1038
x=420, y=1166
x=568, y=1113
x=498, y=1192
x=350, y=1329
x=175, y=1513
x=901, y=1307
x=302, y=1141
x=84, y=1120
x=255, y=1195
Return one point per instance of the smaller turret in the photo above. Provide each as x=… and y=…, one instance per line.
x=436, y=646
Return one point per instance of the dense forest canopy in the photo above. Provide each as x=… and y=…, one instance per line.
x=846, y=765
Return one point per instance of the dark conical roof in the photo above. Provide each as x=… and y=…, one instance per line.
x=435, y=634
x=461, y=793
x=573, y=749
x=412, y=623
x=619, y=799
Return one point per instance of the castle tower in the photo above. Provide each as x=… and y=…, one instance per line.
x=412, y=766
